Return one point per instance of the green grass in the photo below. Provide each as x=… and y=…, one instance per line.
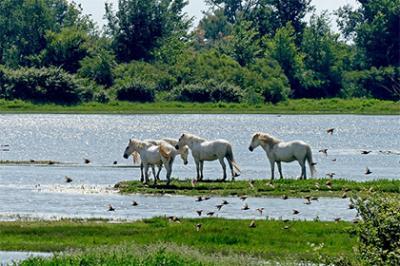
x=259, y=188
x=303, y=106
x=303, y=241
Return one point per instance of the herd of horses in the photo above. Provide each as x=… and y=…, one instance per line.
x=152, y=153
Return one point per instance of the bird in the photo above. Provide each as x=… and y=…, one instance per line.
x=329, y=182
x=286, y=227
x=251, y=183
x=365, y=152
x=198, y=227
x=110, y=208
x=330, y=130
x=324, y=151
x=295, y=211
x=68, y=179
x=243, y=198
x=219, y=206
x=174, y=219
x=206, y=198
x=367, y=171
x=344, y=195
x=199, y=199
x=334, y=160
x=314, y=198
x=346, y=189
x=252, y=224
x=199, y=212
x=224, y=202
x=351, y=206
x=307, y=198
x=260, y=210
x=115, y=163
x=338, y=219
x=210, y=213
x=330, y=175
x=134, y=203
x=285, y=197
x=245, y=207
x=307, y=202
x=87, y=161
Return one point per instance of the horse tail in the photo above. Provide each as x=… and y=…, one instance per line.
x=229, y=156
x=311, y=163
x=164, y=152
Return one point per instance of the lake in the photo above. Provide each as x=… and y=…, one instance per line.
x=40, y=192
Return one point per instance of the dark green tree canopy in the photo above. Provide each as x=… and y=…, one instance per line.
x=139, y=26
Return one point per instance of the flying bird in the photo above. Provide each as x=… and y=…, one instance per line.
x=198, y=227
x=219, y=206
x=295, y=212
x=367, y=171
x=330, y=130
x=110, y=208
x=330, y=175
x=252, y=224
x=324, y=151
x=260, y=210
x=68, y=179
x=366, y=152
x=245, y=207
x=199, y=212
x=210, y=213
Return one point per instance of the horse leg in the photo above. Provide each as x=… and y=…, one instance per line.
x=198, y=170
x=146, y=173
x=158, y=172
x=272, y=169
x=221, y=161
x=280, y=169
x=141, y=173
x=201, y=170
x=153, y=169
x=168, y=167
x=303, y=169
x=232, y=171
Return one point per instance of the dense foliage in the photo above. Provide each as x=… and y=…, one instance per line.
x=241, y=51
x=379, y=230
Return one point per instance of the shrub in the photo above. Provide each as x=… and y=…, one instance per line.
x=381, y=83
x=101, y=97
x=99, y=67
x=42, y=85
x=209, y=91
x=146, y=72
x=379, y=230
x=135, y=91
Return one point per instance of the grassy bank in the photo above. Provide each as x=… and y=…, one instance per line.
x=258, y=188
x=269, y=240
x=303, y=106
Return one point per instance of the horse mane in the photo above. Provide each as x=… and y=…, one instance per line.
x=267, y=139
x=192, y=136
x=139, y=144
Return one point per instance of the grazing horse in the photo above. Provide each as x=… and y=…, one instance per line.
x=279, y=151
x=151, y=155
x=183, y=151
x=205, y=150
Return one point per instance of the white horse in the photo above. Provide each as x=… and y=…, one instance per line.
x=183, y=151
x=153, y=155
x=204, y=150
x=279, y=151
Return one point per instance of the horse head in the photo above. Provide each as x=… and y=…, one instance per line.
x=129, y=149
x=255, y=142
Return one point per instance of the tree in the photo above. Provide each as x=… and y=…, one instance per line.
x=375, y=29
x=283, y=49
x=324, y=58
x=140, y=26
x=25, y=24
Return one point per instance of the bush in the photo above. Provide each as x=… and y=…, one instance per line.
x=209, y=91
x=99, y=68
x=135, y=91
x=381, y=83
x=147, y=73
x=42, y=85
x=379, y=230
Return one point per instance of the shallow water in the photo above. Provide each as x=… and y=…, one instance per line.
x=9, y=257
x=40, y=192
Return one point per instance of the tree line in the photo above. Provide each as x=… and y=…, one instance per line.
x=250, y=51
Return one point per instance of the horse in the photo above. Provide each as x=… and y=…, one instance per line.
x=279, y=151
x=152, y=155
x=205, y=150
x=184, y=152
